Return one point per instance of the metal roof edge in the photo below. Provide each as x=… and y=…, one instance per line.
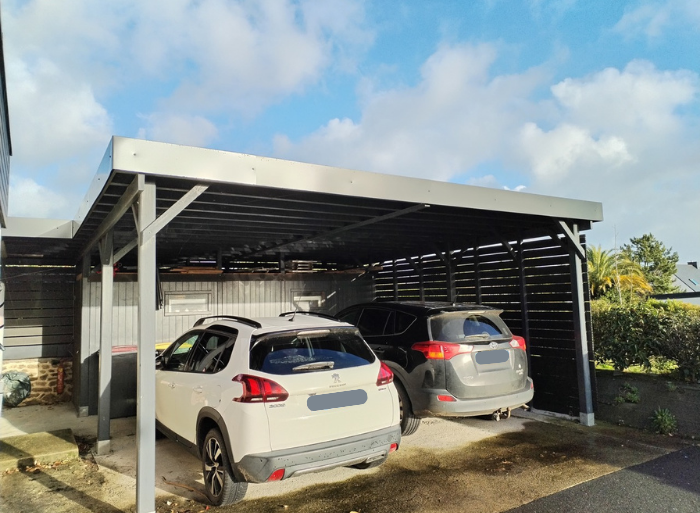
x=164, y=159
x=97, y=185
x=39, y=228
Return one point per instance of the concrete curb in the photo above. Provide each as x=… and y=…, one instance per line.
x=27, y=450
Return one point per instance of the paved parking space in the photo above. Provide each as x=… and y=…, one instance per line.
x=447, y=466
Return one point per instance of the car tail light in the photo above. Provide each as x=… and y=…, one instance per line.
x=393, y=448
x=446, y=398
x=260, y=390
x=385, y=375
x=277, y=475
x=518, y=343
x=441, y=350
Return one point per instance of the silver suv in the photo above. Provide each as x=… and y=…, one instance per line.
x=448, y=359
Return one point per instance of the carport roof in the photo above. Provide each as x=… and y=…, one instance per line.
x=258, y=209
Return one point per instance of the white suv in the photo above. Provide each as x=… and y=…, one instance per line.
x=267, y=399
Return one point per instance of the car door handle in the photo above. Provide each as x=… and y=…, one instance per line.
x=198, y=389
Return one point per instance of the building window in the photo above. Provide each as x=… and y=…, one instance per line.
x=187, y=303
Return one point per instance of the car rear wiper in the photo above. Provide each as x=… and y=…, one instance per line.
x=313, y=366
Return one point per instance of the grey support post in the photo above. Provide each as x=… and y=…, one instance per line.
x=146, y=396
x=105, y=389
x=576, y=256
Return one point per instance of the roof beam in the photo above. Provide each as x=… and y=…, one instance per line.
x=162, y=221
x=573, y=240
x=118, y=255
x=130, y=195
x=333, y=233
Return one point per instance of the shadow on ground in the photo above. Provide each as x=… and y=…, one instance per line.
x=495, y=474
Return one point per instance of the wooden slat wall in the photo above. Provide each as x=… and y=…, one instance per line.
x=247, y=295
x=551, y=343
x=39, y=312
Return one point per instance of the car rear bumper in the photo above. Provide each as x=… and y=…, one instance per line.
x=365, y=448
x=431, y=406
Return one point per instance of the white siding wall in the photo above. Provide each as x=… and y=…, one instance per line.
x=261, y=295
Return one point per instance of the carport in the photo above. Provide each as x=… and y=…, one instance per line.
x=154, y=207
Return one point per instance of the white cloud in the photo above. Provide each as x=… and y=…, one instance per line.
x=652, y=19
x=53, y=115
x=27, y=198
x=639, y=98
x=172, y=128
x=455, y=118
x=552, y=155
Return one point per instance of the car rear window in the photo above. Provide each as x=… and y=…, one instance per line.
x=300, y=351
x=461, y=326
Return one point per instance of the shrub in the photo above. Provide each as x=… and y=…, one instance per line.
x=639, y=332
x=663, y=421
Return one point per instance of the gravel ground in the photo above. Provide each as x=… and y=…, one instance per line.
x=447, y=466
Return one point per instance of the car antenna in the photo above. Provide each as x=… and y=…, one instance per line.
x=291, y=319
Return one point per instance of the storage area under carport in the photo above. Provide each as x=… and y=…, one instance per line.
x=259, y=236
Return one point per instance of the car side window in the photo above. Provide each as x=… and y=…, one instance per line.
x=212, y=353
x=403, y=322
x=373, y=321
x=176, y=356
x=351, y=317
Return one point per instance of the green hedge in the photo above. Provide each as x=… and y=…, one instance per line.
x=633, y=332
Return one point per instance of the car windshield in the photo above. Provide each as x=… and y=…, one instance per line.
x=467, y=326
x=301, y=351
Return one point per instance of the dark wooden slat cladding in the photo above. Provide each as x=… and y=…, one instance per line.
x=550, y=309
x=39, y=308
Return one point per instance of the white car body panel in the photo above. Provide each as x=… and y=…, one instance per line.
x=292, y=423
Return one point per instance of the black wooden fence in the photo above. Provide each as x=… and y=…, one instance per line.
x=39, y=307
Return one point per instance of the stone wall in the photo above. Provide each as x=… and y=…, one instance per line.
x=43, y=373
x=682, y=399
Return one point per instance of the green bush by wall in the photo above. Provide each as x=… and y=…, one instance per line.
x=633, y=332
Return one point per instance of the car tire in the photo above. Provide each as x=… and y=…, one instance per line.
x=409, y=422
x=219, y=483
x=371, y=464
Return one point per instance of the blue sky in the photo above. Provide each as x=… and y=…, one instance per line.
x=594, y=99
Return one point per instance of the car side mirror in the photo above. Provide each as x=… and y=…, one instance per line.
x=161, y=361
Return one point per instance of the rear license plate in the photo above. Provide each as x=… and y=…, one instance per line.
x=496, y=356
x=336, y=400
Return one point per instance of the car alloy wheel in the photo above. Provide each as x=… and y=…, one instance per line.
x=219, y=483
x=214, y=471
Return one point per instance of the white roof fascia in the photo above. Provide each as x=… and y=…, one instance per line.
x=202, y=164
x=40, y=228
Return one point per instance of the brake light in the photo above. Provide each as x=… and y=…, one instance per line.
x=518, y=343
x=446, y=398
x=385, y=375
x=441, y=350
x=260, y=390
x=393, y=447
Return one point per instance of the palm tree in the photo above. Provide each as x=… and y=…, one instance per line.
x=608, y=268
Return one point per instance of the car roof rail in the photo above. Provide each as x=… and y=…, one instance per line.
x=242, y=320
x=316, y=314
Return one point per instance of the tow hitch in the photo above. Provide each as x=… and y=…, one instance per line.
x=504, y=413
x=501, y=413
